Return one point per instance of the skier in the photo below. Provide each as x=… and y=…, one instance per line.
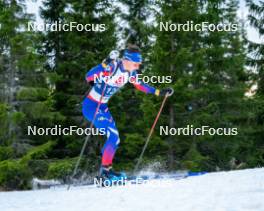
x=115, y=74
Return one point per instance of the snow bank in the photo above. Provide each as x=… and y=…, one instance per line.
x=224, y=191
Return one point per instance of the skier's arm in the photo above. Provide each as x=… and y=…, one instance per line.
x=101, y=68
x=139, y=85
x=95, y=71
x=94, y=75
x=149, y=89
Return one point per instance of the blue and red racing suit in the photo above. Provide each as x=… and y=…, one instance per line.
x=114, y=78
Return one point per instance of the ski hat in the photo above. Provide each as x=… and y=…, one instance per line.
x=134, y=56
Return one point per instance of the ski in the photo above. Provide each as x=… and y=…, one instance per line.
x=129, y=179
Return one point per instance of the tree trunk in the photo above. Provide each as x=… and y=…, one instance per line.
x=171, y=117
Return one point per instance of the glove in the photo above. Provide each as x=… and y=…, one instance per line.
x=114, y=54
x=91, y=83
x=166, y=91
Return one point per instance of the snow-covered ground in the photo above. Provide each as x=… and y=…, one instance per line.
x=223, y=191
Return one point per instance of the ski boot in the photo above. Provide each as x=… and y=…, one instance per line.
x=109, y=177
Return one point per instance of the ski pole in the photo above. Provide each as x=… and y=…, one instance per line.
x=150, y=133
x=86, y=139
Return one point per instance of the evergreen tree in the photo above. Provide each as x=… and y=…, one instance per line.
x=20, y=71
x=178, y=54
x=256, y=49
x=23, y=95
x=256, y=63
x=126, y=105
x=70, y=55
x=10, y=36
x=208, y=75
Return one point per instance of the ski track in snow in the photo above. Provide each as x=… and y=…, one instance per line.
x=241, y=190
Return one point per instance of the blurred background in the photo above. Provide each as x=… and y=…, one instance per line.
x=218, y=78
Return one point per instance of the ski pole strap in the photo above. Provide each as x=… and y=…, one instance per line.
x=150, y=133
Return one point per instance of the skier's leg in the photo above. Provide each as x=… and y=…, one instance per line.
x=111, y=144
x=103, y=120
x=89, y=108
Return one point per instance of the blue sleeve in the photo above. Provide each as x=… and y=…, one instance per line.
x=139, y=85
x=95, y=71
